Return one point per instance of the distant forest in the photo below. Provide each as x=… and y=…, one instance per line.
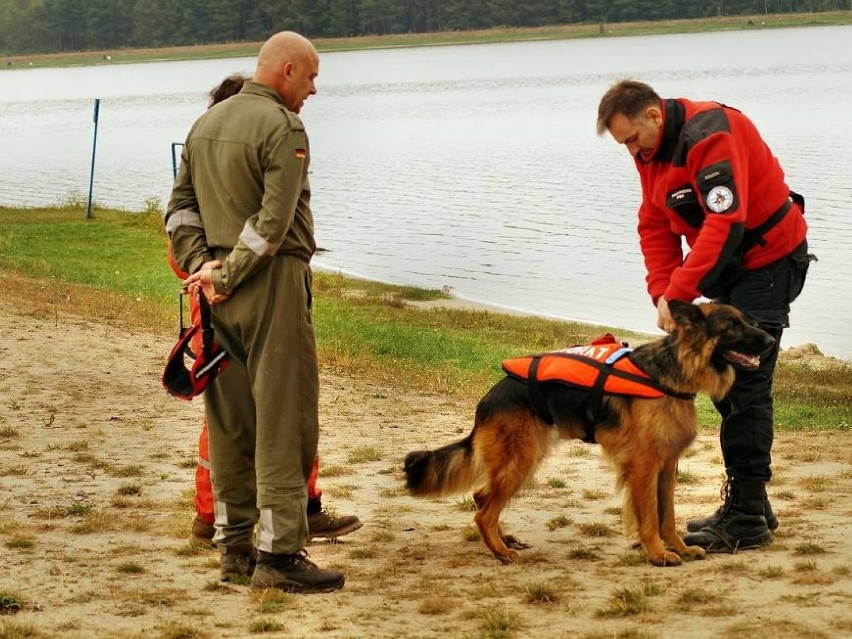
x=48, y=26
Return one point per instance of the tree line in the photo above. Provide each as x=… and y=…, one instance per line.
x=49, y=26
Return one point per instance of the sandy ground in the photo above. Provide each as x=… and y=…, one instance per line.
x=96, y=467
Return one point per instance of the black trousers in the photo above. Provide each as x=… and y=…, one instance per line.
x=764, y=295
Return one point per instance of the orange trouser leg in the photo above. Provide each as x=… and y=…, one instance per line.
x=313, y=490
x=203, y=487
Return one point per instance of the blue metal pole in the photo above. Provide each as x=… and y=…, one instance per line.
x=94, y=147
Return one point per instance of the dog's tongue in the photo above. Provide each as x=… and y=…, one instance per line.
x=748, y=362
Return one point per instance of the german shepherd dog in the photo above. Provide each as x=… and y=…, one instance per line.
x=643, y=437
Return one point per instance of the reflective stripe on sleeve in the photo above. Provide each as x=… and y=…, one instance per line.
x=256, y=243
x=183, y=217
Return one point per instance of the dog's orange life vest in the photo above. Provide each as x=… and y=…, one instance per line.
x=601, y=368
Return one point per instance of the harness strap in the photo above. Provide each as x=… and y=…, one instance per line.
x=594, y=403
x=538, y=398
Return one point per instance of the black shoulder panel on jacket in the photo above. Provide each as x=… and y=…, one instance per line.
x=699, y=127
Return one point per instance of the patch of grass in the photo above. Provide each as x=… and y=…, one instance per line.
x=691, y=598
x=10, y=603
x=626, y=602
x=815, y=483
x=436, y=606
x=263, y=625
x=20, y=543
x=17, y=470
x=594, y=529
x=558, y=522
x=335, y=470
x=9, y=432
x=541, y=593
x=499, y=623
x=15, y=630
x=471, y=533
x=556, y=482
x=809, y=548
x=687, y=478
x=364, y=454
x=771, y=572
x=465, y=504
x=584, y=554
x=127, y=490
x=129, y=568
x=175, y=630
x=274, y=601
x=131, y=470
x=593, y=495
x=77, y=509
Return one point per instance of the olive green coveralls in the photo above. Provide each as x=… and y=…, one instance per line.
x=242, y=196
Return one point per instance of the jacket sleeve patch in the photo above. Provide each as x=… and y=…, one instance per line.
x=684, y=202
x=716, y=183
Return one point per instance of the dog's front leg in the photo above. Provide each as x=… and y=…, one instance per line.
x=665, y=498
x=642, y=483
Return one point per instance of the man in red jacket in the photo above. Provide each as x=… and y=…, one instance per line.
x=708, y=178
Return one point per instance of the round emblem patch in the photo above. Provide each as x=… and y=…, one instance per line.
x=720, y=199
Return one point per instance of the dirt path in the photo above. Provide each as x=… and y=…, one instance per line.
x=96, y=466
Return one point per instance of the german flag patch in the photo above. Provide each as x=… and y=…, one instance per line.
x=301, y=153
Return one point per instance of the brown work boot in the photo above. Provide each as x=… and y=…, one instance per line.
x=331, y=526
x=294, y=573
x=202, y=532
x=237, y=560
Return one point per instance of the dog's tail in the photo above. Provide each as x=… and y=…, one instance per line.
x=444, y=471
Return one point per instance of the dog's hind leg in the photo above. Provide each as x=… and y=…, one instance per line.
x=481, y=500
x=665, y=506
x=489, y=505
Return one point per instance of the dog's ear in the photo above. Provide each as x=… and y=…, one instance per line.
x=685, y=312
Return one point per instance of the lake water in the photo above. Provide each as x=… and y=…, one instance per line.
x=474, y=167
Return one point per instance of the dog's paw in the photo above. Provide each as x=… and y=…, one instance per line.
x=508, y=557
x=693, y=552
x=665, y=559
x=513, y=542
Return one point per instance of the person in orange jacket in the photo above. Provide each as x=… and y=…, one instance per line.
x=321, y=522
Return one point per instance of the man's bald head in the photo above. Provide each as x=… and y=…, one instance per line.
x=288, y=63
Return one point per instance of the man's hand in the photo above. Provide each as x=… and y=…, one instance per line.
x=664, y=315
x=202, y=280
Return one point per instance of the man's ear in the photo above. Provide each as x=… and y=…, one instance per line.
x=654, y=114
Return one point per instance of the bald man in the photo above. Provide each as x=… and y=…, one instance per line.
x=240, y=222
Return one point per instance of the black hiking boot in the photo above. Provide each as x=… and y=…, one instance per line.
x=694, y=525
x=294, y=573
x=741, y=523
x=237, y=560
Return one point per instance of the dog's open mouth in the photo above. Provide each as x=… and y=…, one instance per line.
x=742, y=361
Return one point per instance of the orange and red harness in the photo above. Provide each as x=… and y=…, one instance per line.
x=601, y=368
